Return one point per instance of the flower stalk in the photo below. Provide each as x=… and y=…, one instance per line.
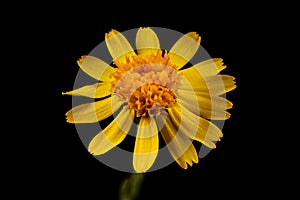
x=130, y=187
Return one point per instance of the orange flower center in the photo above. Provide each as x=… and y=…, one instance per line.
x=147, y=84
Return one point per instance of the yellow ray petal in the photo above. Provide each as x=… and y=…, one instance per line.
x=118, y=46
x=179, y=145
x=97, y=90
x=220, y=84
x=113, y=134
x=184, y=49
x=195, y=127
x=210, y=66
x=96, y=68
x=205, y=101
x=188, y=157
x=146, y=145
x=192, y=80
x=147, y=42
x=93, y=112
x=202, y=82
x=208, y=106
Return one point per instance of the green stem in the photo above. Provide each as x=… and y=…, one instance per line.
x=131, y=186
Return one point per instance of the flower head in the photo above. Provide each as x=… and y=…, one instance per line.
x=152, y=88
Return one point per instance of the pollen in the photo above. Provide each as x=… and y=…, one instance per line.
x=146, y=84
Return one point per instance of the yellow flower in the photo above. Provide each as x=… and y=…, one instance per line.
x=150, y=88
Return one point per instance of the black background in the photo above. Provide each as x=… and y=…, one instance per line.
x=61, y=166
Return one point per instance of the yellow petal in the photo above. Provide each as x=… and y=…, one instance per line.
x=210, y=66
x=220, y=84
x=192, y=80
x=184, y=49
x=204, y=82
x=97, y=90
x=195, y=127
x=188, y=157
x=215, y=84
x=147, y=42
x=179, y=145
x=93, y=112
x=208, y=106
x=113, y=134
x=118, y=46
x=146, y=145
x=96, y=68
x=204, y=101
x=192, y=74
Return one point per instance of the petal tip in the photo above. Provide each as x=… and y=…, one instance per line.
x=145, y=27
x=66, y=93
x=80, y=60
x=213, y=145
x=92, y=150
x=69, y=117
x=111, y=33
x=70, y=121
x=195, y=36
x=228, y=115
x=185, y=166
